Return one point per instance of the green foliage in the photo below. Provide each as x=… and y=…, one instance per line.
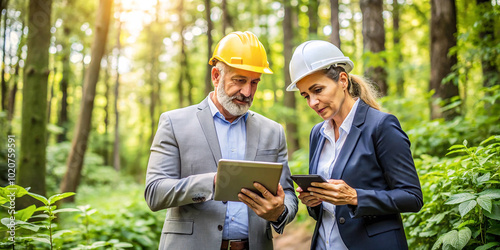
x=462, y=199
x=36, y=227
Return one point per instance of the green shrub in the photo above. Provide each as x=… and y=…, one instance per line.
x=462, y=199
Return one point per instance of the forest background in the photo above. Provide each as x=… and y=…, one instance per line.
x=83, y=84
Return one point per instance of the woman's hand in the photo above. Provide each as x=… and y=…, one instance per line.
x=308, y=199
x=336, y=192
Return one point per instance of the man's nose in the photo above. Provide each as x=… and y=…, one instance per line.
x=246, y=89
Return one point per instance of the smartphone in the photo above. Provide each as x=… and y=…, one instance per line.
x=304, y=180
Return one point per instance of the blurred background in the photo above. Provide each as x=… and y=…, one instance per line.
x=83, y=84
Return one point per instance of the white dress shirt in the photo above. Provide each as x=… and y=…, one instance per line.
x=329, y=236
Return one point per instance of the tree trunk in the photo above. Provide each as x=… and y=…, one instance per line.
x=71, y=179
x=443, y=29
x=225, y=17
x=116, y=143
x=34, y=111
x=374, y=39
x=334, y=20
x=487, y=36
x=182, y=63
x=289, y=101
x=400, y=88
x=63, y=85
x=13, y=90
x=4, y=83
x=49, y=102
x=312, y=13
x=210, y=27
x=107, y=77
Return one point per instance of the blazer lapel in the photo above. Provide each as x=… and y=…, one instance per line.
x=315, y=159
x=253, y=132
x=351, y=140
x=207, y=124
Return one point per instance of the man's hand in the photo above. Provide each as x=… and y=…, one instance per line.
x=308, y=199
x=336, y=192
x=269, y=207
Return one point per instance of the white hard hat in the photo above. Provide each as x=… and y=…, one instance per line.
x=313, y=56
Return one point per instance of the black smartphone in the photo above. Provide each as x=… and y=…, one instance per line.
x=304, y=180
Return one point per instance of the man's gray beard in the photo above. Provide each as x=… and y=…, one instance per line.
x=227, y=103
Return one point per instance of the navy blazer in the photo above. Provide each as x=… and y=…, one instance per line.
x=375, y=160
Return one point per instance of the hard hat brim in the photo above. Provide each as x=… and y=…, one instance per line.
x=262, y=70
x=346, y=64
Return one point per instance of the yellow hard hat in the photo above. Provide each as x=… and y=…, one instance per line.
x=242, y=50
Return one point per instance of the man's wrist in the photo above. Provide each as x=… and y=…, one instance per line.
x=282, y=216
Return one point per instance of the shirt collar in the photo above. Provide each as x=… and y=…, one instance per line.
x=346, y=124
x=216, y=113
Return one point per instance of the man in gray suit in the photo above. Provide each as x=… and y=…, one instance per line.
x=189, y=143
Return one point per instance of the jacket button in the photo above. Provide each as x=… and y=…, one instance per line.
x=224, y=202
x=341, y=220
x=219, y=227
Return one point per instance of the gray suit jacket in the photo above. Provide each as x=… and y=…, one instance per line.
x=181, y=170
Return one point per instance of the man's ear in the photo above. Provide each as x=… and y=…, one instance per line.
x=215, y=76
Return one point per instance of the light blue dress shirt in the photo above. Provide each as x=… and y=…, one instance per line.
x=232, y=140
x=329, y=235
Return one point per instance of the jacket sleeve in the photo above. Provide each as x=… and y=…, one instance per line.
x=394, y=156
x=291, y=201
x=164, y=186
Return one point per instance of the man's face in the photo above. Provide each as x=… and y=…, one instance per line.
x=235, y=90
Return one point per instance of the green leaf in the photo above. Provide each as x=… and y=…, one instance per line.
x=438, y=217
x=451, y=238
x=3, y=200
x=57, y=197
x=488, y=246
x=464, y=236
x=465, y=207
x=483, y=178
x=123, y=244
x=25, y=214
x=66, y=210
x=495, y=212
x=43, y=240
x=459, y=198
x=40, y=198
x=494, y=229
x=27, y=225
x=43, y=216
x=485, y=203
x=491, y=193
x=438, y=243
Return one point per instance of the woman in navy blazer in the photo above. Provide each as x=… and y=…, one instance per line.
x=362, y=152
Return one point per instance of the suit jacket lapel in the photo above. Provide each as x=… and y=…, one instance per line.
x=253, y=132
x=351, y=140
x=315, y=159
x=207, y=124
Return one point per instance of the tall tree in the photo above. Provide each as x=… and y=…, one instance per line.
x=334, y=21
x=210, y=27
x=487, y=37
x=226, y=18
x=64, y=83
x=74, y=164
x=374, y=40
x=289, y=101
x=34, y=112
x=4, y=33
x=116, y=143
x=396, y=39
x=17, y=71
x=443, y=29
x=312, y=13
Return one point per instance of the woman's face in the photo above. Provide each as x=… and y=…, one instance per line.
x=324, y=95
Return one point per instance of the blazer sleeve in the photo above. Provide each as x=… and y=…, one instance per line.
x=164, y=186
x=291, y=201
x=394, y=156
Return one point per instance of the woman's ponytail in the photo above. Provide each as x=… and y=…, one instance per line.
x=359, y=87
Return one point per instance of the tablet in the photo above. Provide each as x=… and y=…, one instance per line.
x=233, y=175
x=304, y=181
